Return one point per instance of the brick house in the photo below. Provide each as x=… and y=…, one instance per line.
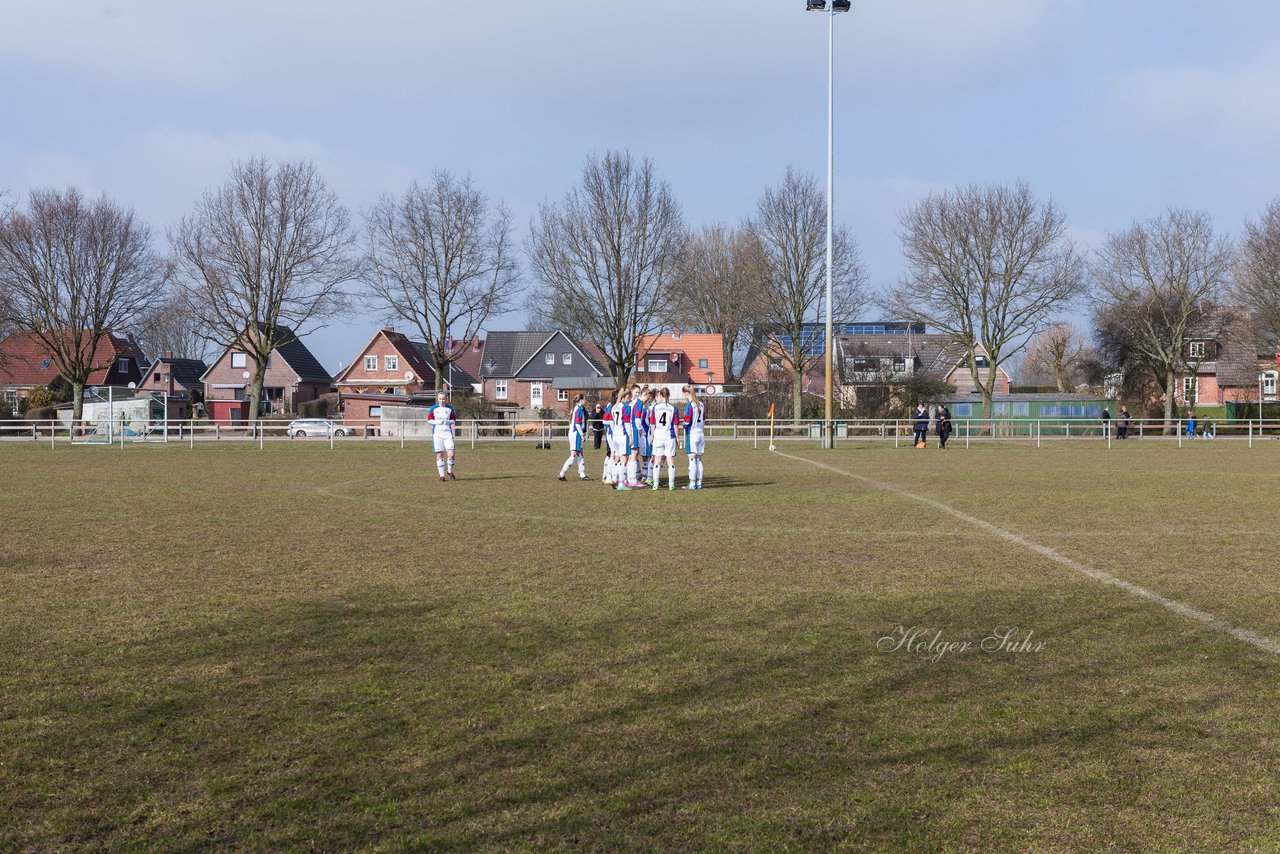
x=874, y=354
x=293, y=377
x=676, y=359
x=387, y=371
x=179, y=380
x=519, y=369
x=26, y=364
x=1224, y=358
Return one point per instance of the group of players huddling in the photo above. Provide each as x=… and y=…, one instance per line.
x=641, y=429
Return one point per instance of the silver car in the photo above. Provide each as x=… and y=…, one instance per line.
x=316, y=427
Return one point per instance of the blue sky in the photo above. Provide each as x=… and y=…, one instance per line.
x=1115, y=109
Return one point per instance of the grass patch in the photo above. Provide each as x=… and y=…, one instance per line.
x=301, y=647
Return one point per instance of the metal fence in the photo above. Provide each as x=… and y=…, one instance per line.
x=759, y=433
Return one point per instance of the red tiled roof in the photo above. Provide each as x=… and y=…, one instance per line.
x=692, y=349
x=471, y=358
x=26, y=361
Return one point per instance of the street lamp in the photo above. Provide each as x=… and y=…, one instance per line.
x=831, y=7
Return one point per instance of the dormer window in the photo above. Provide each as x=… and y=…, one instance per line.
x=657, y=366
x=124, y=364
x=1196, y=349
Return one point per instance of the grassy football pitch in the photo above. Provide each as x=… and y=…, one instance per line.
x=297, y=647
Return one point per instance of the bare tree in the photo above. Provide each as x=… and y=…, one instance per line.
x=790, y=230
x=170, y=328
x=1257, y=275
x=440, y=260
x=606, y=256
x=74, y=271
x=263, y=256
x=1056, y=353
x=1157, y=285
x=988, y=265
x=721, y=275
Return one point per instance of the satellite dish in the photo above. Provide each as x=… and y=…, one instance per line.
x=133, y=385
x=408, y=376
x=245, y=375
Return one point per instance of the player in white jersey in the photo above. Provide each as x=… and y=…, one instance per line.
x=577, y=435
x=619, y=420
x=662, y=431
x=441, y=417
x=695, y=442
x=639, y=439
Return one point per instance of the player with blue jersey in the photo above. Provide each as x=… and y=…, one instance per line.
x=577, y=435
x=639, y=438
x=662, y=431
x=441, y=417
x=695, y=422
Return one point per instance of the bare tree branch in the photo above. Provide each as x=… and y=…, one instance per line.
x=721, y=276
x=988, y=265
x=270, y=250
x=789, y=230
x=606, y=256
x=1158, y=283
x=441, y=261
x=1257, y=275
x=73, y=271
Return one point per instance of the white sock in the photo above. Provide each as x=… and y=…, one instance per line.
x=693, y=470
x=440, y=466
x=631, y=471
x=671, y=473
x=564, y=468
x=582, y=466
x=450, y=465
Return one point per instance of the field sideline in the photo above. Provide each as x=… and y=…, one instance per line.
x=294, y=647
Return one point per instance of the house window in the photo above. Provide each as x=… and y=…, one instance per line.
x=1022, y=410
x=11, y=400
x=124, y=364
x=157, y=377
x=1189, y=389
x=1269, y=382
x=375, y=411
x=566, y=358
x=392, y=363
x=371, y=363
x=979, y=360
x=562, y=395
x=500, y=389
x=703, y=364
x=657, y=366
x=238, y=360
x=899, y=365
x=1196, y=349
x=1000, y=410
x=962, y=410
x=550, y=358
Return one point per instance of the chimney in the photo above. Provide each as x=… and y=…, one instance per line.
x=168, y=354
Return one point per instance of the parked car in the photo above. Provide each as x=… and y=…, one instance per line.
x=316, y=427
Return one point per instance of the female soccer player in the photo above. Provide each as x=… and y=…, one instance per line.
x=695, y=420
x=442, y=418
x=662, y=429
x=619, y=439
x=577, y=434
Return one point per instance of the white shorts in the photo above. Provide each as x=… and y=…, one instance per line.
x=618, y=445
x=664, y=448
x=643, y=444
x=442, y=443
x=695, y=443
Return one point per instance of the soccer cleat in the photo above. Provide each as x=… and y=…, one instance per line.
x=671, y=488
x=443, y=478
x=622, y=487
x=584, y=477
x=560, y=477
x=452, y=476
x=655, y=487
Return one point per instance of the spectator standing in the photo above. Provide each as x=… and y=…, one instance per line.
x=597, y=425
x=1106, y=423
x=1191, y=425
x=921, y=424
x=1122, y=423
x=943, y=424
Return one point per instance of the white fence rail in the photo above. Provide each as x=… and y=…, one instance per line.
x=759, y=433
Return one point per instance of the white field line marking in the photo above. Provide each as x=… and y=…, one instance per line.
x=1262, y=642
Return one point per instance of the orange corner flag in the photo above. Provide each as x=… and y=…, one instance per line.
x=771, y=410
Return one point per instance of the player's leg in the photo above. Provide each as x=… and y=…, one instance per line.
x=440, y=462
x=449, y=448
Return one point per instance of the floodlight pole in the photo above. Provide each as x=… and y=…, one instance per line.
x=830, y=8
